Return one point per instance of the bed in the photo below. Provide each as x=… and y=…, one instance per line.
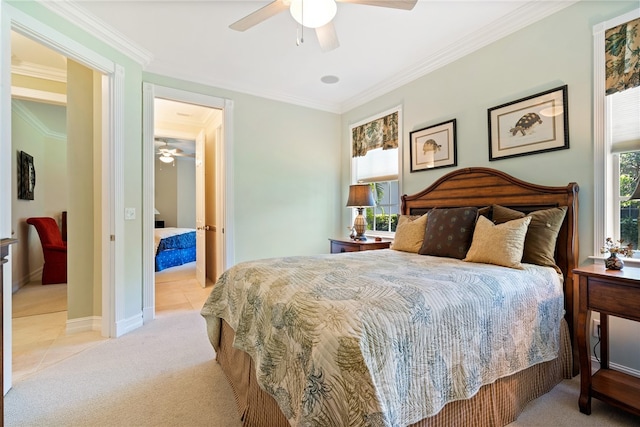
x=174, y=246
x=389, y=337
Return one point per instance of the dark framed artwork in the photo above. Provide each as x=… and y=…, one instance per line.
x=26, y=176
x=531, y=125
x=433, y=147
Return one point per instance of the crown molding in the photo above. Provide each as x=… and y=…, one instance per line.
x=87, y=22
x=38, y=71
x=508, y=24
x=22, y=111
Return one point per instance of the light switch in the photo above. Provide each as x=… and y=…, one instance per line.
x=129, y=213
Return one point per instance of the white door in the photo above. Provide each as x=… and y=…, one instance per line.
x=201, y=227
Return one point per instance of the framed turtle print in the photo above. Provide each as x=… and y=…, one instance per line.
x=531, y=125
x=433, y=147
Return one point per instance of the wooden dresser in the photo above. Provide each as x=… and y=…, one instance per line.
x=611, y=293
x=348, y=245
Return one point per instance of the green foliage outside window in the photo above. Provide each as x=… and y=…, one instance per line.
x=630, y=209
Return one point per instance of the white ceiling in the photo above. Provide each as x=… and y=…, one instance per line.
x=380, y=48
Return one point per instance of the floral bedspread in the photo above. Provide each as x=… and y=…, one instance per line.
x=384, y=338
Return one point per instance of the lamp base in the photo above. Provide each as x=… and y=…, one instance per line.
x=360, y=225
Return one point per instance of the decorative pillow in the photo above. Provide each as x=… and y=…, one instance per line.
x=501, y=244
x=449, y=232
x=502, y=214
x=540, y=242
x=409, y=233
x=486, y=212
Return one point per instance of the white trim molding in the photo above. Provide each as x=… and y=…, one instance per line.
x=603, y=185
x=83, y=324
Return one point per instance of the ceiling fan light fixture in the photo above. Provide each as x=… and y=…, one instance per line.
x=313, y=13
x=166, y=158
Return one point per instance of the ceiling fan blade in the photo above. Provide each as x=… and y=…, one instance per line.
x=259, y=15
x=327, y=37
x=394, y=4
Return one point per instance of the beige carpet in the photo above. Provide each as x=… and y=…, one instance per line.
x=49, y=299
x=164, y=374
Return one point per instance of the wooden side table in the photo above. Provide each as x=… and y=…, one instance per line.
x=348, y=245
x=612, y=293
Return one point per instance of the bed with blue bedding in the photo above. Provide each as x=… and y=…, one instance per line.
x=174, y=246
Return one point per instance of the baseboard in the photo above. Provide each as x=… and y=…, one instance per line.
x=83, y=324
x=148, y=314
x=596, y=363
x=127, y=325
x=33, y=276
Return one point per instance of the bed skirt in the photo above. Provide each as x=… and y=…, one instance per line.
x=496, y=404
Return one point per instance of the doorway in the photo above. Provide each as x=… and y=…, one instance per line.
x=110, y=139
x=175, y=115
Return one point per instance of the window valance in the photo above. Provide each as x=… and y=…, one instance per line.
x=622, y=57
x=379, y=133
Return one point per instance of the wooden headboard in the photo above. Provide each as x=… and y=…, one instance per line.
x=482, y=187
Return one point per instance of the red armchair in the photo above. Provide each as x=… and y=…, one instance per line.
x=54, y=250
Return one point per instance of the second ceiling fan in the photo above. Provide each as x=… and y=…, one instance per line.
x=317, y=14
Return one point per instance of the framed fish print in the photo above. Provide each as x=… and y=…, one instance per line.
x=433, y=147
x=531, y=125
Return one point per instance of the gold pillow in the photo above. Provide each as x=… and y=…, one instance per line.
x=409, y=233
x=501, y=244
x=540, y=243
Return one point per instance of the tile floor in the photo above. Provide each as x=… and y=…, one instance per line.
x=39, y=318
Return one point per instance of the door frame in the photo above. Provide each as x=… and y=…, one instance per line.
x=112, y=185
x=224, y=204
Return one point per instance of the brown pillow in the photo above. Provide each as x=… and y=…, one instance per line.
x=449, y=232
x=502, y=214
x=409, y=233
x=540, y=242
x=486, y=212
x=500, y=244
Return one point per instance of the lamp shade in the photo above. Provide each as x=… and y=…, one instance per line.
x=636, y=192
x=155, y=211
x=360, y=195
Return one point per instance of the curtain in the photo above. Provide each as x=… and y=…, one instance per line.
x=379, y=133
x=622, y=57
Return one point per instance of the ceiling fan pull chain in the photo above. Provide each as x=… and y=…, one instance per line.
x=300, y=29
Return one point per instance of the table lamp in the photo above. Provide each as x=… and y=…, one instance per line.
x=360, y=197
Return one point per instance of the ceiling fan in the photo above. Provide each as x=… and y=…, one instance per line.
x=316, y=14
x=168, y=152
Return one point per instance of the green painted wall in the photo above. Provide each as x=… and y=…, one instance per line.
x=552, y=52
x=286, y=181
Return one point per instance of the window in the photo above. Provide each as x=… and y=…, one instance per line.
x=617, y=129
x=375, y=160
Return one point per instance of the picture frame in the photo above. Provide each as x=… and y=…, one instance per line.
x=531, y=125
x=26, y=176
x=433, y=147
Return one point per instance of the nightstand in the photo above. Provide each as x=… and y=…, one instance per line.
x=612, y=293
x=348, y=245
